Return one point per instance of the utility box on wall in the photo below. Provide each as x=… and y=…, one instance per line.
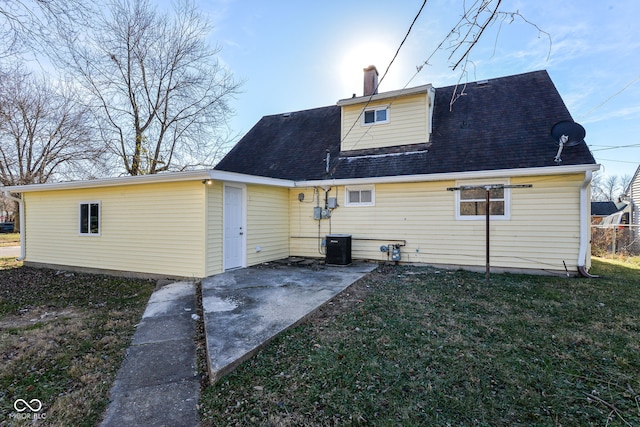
x=338, y=249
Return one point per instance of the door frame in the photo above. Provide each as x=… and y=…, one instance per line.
x=243, y=209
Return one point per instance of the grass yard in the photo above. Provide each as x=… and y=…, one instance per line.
x=422, y=346
x=63, y=337
x=9, y=239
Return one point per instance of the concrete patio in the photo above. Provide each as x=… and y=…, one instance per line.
x=243, y=309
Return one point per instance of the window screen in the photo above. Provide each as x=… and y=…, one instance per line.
x=360, y=196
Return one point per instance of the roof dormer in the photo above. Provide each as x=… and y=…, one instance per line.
x=379, y=120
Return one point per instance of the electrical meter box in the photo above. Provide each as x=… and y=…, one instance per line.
x=320, y=213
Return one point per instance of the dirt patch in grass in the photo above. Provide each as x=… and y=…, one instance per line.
x=62, y=339
x=28, y=319
x=422, y=346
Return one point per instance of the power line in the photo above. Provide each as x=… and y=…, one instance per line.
x=614, y=147
x=453, y=31
x=401, y=44
x=611, y=97
x=618, y=161
x=480, y=4
x=386, y=71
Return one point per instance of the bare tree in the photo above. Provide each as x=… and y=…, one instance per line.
x=160, y=97
x=7, y=209
x=476, y=18
x=608, y=188
x=625, y=181
x=27, y=25
x=43, y=135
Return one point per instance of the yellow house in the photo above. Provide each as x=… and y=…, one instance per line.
x=154, y=225
x=633, y=193
x=377, y=170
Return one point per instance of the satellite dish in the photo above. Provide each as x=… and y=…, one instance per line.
x=567, y=134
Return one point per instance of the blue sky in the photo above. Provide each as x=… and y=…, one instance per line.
x=295, y=55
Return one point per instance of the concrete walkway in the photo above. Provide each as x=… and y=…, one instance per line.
x=158, y=382
x=9, y=251
x=243, y=309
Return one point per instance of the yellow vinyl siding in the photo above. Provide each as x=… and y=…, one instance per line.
x=176, y=228
x=303, y=229
x=151, y=228
x=214, y=215
x=542, y=233
x=267, y=223
x=408, y=122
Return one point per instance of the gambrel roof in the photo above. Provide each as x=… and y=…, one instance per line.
x=502, y=123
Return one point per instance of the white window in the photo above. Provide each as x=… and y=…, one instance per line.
x=360, y=196
x=471, y=200
x=89, y=219
x=375, y=115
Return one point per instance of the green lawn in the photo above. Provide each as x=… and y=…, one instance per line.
x=423, y=346
x=63, y=337
x=404, y=346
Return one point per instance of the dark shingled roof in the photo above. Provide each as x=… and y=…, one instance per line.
x=503, y=124
x=288, y=146
x=604, y=208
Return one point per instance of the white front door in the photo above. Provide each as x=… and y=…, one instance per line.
x=233, y=227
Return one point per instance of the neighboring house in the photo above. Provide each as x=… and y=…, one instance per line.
x=633, y=192
x=600, y=210
x=376, y=167
x=610, y=226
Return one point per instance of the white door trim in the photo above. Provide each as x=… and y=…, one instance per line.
x=242, y=262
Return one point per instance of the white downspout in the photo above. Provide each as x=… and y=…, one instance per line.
x=585, y=225
x=23, y=248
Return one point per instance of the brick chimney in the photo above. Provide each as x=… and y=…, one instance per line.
x=370, y=80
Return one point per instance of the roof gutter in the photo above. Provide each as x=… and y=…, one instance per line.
x=23, y=248
x=499, y=173
x=584, y=225
x=195, y=175
x=249, y=179
x=110, y=182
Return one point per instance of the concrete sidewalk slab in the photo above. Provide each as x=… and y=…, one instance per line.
x=158, y=382
x=243, y=309
x=9, y=251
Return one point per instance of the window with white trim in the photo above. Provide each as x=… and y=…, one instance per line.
x=89, y=218
x=375, y=115
x=471, y=202
x=359, y=196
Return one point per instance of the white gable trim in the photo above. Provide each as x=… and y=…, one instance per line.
x=111, y=182
x=285, y=183
x=151, y=179
x=385, y=95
